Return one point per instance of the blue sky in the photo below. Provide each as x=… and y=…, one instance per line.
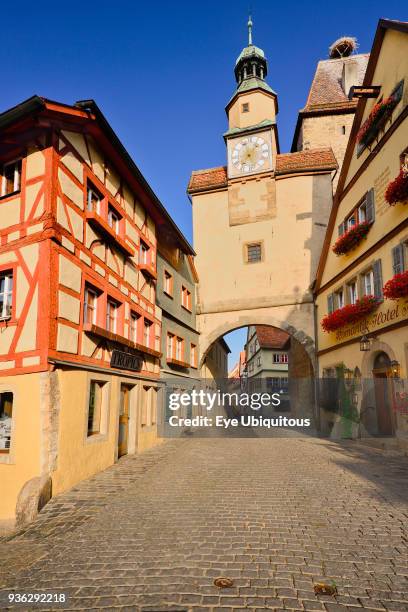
x=162, y=72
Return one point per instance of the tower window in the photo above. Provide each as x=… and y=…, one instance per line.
x=245, y=107
x=254, y=252
x=343, y=129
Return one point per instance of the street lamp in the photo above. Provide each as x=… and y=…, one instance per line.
x=395, y=369
x=348, y=374
x=365, y=343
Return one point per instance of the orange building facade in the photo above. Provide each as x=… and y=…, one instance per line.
x=79, y=328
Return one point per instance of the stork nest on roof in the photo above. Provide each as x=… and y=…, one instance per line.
x=343, y=47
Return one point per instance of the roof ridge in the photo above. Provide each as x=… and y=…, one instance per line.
x=209, y=169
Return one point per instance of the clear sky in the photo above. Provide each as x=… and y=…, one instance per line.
x=236, y=341
x=162, y=72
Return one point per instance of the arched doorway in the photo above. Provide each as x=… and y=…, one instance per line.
x=383, y=393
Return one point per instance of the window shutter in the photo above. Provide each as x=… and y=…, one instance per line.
x=370, y=206
x=341, y=229
x=378, y=283
x=398, y=259
x=330, y=303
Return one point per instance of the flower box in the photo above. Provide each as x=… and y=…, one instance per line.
x=376, y=120
x=397, y=190
x=351, y=313
x=351, y=238
x=397, y=286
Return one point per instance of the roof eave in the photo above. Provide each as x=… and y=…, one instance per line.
x=104, y=124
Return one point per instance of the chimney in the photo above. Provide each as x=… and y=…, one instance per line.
x=349, y=76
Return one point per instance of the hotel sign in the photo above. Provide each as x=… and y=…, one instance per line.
x=126, y=361
x=383, y=317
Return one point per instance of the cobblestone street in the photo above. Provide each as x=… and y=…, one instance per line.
x=274, y=515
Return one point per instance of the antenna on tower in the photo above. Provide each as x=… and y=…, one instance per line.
x=250, y=24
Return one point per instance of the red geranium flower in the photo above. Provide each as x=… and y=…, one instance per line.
x=350, y=239
x=351, y=313
x=379, y=111
x=397, y=286
x=397, y=190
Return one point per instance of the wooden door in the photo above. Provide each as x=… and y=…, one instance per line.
x=382, y=386
x=123, y=421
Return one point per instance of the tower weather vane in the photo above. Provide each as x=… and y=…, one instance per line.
x=250, y=24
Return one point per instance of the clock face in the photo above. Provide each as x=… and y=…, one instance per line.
x=250, y=154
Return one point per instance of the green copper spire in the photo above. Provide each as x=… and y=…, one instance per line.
x=251, y=62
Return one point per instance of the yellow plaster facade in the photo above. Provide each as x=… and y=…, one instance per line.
x=371, y=169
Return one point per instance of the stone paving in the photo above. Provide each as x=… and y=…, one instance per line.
x=274, y=515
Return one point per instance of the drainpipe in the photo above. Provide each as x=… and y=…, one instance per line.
x=316, y=380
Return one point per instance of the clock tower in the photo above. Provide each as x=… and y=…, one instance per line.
x=251, y=139
x=259, y=221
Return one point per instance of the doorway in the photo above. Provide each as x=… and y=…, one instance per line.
x=383, y=394
x=123, y=436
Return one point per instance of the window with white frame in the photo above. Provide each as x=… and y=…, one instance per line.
x=6, y=294
x=368, y=282
x=353, y=292
x=168, y=283
x=134, y=320
x=94, y=198
x=147, y=333
x=90, y=306
x=112, y=308
x=351, y=222
x=179, y=349
x=6, y=416
x=11, y=177
x=280, y=358
x=339, y=298
x=362, y=212
x=186, y=298
x=113, y=219
x=95, y=407
x=170, y=345
x=144, y=253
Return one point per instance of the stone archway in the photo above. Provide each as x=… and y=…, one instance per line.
x=302, y=358
x=254, y=318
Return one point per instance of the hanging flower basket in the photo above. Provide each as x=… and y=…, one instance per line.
x=397, y=190
x=350, y=239
x=397, y=286
x=351, y=313
x=378, y=117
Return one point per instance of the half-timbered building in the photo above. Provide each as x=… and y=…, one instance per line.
x=79, y=328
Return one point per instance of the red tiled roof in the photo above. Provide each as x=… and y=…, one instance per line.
x=326, y=90
x=311, y=159
x=208, y=179
x=272, y=337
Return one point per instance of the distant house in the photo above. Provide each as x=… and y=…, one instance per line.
x=267, y=358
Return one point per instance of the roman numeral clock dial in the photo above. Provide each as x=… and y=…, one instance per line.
x=251, y=154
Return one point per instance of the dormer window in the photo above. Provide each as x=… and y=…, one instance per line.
x=94, y=199
x=11, y=177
